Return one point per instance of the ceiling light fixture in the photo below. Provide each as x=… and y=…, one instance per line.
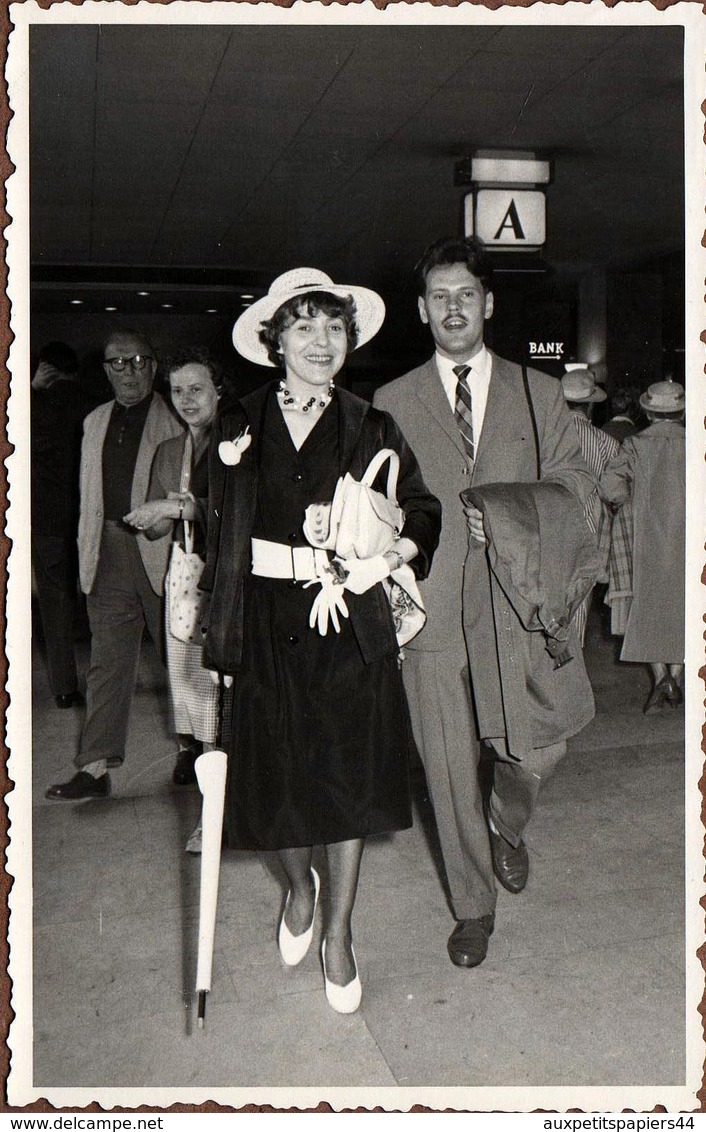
x=143, y=294
x=507, y=206
x=167, y=306
x=76, y=302
x=111, y=308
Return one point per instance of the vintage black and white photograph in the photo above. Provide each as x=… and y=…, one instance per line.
x=356, y=507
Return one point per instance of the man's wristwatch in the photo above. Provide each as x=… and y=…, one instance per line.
x=399, y=560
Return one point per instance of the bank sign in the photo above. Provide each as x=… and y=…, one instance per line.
x=507, y=218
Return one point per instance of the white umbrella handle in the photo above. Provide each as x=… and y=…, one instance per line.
x=210, y=770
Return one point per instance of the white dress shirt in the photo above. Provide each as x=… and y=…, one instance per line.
x=478, y=382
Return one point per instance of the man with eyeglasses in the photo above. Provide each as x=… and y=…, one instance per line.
x=121, y=571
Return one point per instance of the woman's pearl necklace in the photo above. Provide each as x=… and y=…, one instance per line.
x=292, y=401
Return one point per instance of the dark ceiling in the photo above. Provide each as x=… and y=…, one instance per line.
x=241, y=151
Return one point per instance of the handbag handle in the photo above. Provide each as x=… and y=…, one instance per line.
x=393, y=471
x=184, y=481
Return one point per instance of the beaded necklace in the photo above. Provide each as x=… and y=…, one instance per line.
x=293, y=401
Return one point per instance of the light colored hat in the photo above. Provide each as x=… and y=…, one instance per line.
x=370, y=309
x=580, y=385
x=663, y=397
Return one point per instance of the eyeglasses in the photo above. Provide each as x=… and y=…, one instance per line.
x=136, y=362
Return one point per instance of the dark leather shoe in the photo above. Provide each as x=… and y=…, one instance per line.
x=114, y=761
x=82, y=785
x=672, y=691
x=510, y=864
x=69, y=700
x=468, y=942
x=184, y=773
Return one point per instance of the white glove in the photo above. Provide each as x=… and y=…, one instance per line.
x=328, y=603
x=363, y=573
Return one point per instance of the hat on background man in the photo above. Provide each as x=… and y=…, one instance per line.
x=580, y=385
x=664, y=397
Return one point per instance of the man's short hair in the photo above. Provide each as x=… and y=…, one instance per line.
x=311, y=304
x=455, y=249
x=678, y=415
x=623, y=400
x=138, y=337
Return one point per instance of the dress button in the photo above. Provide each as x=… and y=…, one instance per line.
x=464, y=471
x=297, y=477
x=293, y=640
x=292, y=537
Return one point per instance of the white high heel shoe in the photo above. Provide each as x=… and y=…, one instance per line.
x=345, y=999
x=293, y=948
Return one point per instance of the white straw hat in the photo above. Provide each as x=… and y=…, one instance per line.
x=370, y=309
x=663, y=397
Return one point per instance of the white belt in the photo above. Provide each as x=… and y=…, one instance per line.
x=277, y=560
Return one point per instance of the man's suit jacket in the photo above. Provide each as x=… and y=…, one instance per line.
x=160, y=425
x=505, y=454
x=457, y=593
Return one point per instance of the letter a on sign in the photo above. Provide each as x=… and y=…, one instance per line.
x=511, y=220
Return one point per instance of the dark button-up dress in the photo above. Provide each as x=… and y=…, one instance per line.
x=320, y=732
x=320, y=739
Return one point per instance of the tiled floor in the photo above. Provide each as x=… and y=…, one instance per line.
x=583, y=984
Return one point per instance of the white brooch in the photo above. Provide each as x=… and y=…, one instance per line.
x=230, y=451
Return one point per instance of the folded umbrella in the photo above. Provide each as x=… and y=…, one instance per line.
x=210, y=770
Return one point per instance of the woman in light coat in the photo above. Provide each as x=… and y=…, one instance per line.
x=650, y=471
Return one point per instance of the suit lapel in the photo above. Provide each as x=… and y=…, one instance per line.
x=152, y=435
x=95, y=450
x=432, y=395
x=500, y=407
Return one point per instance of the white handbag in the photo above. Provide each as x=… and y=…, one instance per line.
x=188, y=605
x=361, y=522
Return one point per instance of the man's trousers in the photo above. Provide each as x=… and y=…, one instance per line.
x=120, y=605
x=443, y=722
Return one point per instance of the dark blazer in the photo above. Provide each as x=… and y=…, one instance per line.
x=232, y=501
x=544, y=561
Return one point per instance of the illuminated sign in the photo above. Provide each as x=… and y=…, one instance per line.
x=514, y=219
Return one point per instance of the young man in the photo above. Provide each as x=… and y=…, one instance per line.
x=466, y=416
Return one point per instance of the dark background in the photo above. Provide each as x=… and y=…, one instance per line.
x=197, y=163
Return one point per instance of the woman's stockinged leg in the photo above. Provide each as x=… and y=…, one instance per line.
x=659, y=671
x=343, y=867
x=297, y=866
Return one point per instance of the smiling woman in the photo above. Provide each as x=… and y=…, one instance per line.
x=320, y=739
x=177, y=505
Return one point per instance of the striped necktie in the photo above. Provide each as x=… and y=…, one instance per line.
x=464, y=410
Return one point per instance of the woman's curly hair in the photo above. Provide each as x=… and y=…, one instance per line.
x=311, y=304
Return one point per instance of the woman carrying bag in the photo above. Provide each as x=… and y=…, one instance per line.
x=320, y=742
x=177, y=502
